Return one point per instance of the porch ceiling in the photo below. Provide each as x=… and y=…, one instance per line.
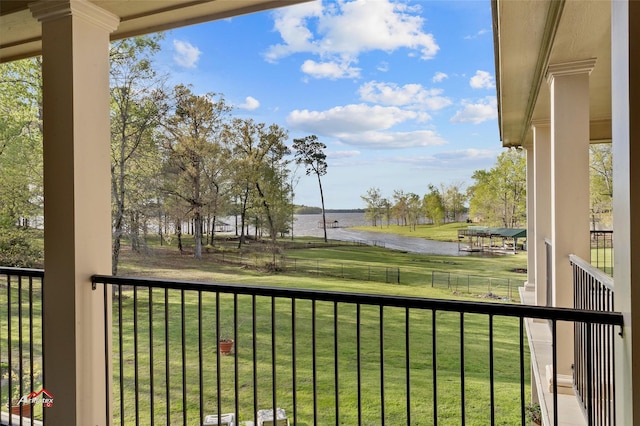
x=528, y=36
x=20, y=33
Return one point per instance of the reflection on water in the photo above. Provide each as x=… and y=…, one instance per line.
x=311, y=225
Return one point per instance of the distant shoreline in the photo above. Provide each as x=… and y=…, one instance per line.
x=318, y=210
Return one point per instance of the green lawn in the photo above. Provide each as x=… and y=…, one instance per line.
x=165, y=263
x=446, y=232
x=416, y=269
x=476, y=355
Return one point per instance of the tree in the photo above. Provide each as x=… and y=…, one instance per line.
x=413, y=209
x=259, y=168
x=433, y=206
x=192, y=137
x=601, y=179
x=135, y=115
x=400, y=206
x=21, y=192
x=498, y=196
x=310, y=152
x=455, y=199
x=374, y=205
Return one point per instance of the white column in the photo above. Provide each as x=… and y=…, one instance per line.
x=625, y=110
x=75, y=46
x=569, y=85
x=542, y=201
x=530, y=285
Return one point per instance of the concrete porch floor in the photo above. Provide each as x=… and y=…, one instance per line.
x=539, y=336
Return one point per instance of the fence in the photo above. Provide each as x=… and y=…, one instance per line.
x=594, y=344
x=490, y=287
x=602, y=251
x=21, y=351
x=320, y=357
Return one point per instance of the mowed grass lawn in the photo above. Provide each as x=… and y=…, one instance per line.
x=445, y=232
x=380, y=345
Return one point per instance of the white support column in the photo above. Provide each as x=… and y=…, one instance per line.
x=75, y=46
x=530, y=285
x=542, y=201
x=569, y=84
x=625, y=110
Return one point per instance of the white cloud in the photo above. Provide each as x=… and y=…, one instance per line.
x=342, y=154
x=186, y=55
x=364, y=126
x=469, y=154
x=291, y=23
x=383, y=66
x=439, y=76
x=478, y=112
x=345, y=29
x=331, y=70
x=250, y=103
x=393, y=140
x=482, y=80
x=347, y=119
x=451, y=158
x=410, y=94
x=476, y=35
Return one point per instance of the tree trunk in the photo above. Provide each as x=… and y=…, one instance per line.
x=324, y=220
x=179, y=234
x=197, y=235
x=243, y=213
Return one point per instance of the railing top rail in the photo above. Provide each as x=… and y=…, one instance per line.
x=599, y=275
x=21, y=272
x=487, y=308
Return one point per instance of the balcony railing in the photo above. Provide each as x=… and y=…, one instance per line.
x=594, y=344
x=322, y=357
x=602, y=250
x=20, y=343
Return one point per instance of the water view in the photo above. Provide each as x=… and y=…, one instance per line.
x=311, y=225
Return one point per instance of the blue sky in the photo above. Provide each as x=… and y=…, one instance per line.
x=401, y=92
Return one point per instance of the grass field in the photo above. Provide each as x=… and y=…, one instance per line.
x=165, y=262
x=382, y=343
x=392, y=333
x=446, y=232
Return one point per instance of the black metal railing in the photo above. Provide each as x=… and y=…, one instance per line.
x=20, y=344
x=323, y=357
x=602, y=250
x=594, y=344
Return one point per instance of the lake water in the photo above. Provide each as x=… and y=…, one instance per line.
x=310, y=225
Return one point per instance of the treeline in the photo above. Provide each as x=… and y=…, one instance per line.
x=318, y=210
x=179, y=160
x=497, y=197
x=441, y=204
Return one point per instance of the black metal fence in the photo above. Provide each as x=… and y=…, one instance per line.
x=486, y=287
x=483, y=286
x=21, y=354
x=351, y=270
x=322, y=357
x=594, y=344
x=602, y=250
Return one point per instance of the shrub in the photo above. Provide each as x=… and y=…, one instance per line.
x=17, y=250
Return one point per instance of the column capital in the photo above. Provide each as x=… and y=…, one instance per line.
x=546, y=122
x=584, y=66
x=47, y=11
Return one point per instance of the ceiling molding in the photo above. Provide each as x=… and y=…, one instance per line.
x=551, y=28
